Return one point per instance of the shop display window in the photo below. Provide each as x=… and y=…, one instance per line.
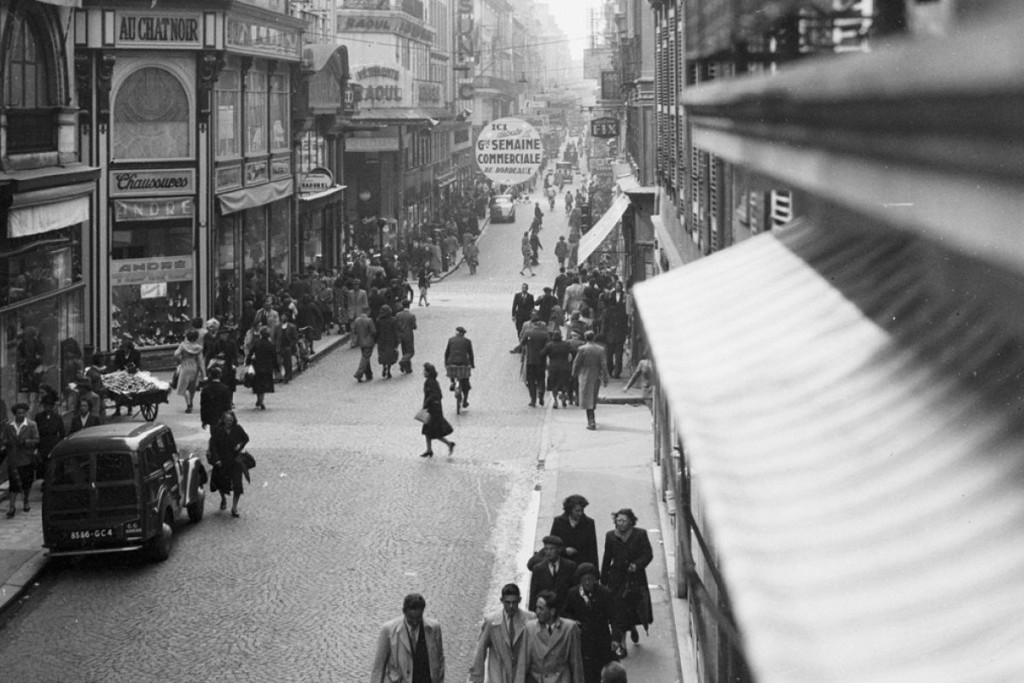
x=40, y=344
x=254, y=260
x=279, y=111
x=280, y=239
x=225, y=295
x=229, y=114
x=151, y=275
x=38, y=265
x=256, y=112
x=151, y=117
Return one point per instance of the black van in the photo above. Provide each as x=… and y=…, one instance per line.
x=119, y=487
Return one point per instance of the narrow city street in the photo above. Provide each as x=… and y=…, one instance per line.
x=341, y=520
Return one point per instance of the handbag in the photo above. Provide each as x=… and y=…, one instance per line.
x=422, y=416
x=248, y=462
x=250, y=374
x=175, y=377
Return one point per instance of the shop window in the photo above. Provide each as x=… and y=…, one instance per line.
x=151, y=117
x=229, y=114
x=151, y=274
x=28, y=88
x=254, y=254
x=256, y=112
x=225, y=295
x=279, y=111
x=31, y=267
x=280, y=239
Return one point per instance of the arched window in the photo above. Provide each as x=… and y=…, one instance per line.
x=151, y=117
x=28, y=87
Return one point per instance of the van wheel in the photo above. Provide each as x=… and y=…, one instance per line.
x=160, y=547
x=195, y=510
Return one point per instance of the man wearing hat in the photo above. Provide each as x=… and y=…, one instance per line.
x=544, y=303
x=554, y=572
x=459, y=354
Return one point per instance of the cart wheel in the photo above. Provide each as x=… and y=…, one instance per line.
x=149, y=411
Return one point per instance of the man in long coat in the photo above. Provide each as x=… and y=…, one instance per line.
x=409, y=648
x=406, y=321
x=522, y=308
x=553, y=645
x=549, y=571
x=591, y=368
x=365, y=334
x=501, y=643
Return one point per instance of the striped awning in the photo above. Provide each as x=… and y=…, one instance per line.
x=857, y=444
x=602, y=228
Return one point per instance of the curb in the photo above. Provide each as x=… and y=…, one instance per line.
x=621, y=400
x=20, y=581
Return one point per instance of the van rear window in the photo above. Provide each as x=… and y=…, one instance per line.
x=74, y=470
x=114, y=467
x=80, y=470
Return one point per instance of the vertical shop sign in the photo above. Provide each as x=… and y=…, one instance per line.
x=465, y=41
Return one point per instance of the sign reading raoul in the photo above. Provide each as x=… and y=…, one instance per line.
x=509, y=151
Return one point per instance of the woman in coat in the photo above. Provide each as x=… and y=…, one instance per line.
x=227, y=441
x=191, y=368
x=591, y=368
x=627, y=552
x=577, y=531
x=19, y=439
x=436, y=427
x=387, y=340
x=263, y=358
x=558, y=355
x=589, y=604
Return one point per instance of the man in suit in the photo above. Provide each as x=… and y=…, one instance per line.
x=545, y=302
x=554, y=572
x=533, y=340
x=553, y=645
x=409, y=648
x=501, y=642
x=84, y=417
x=589, y=604
x=522, y=308
x=406, y=322
x=365, y=334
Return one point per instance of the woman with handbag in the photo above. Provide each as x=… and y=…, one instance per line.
x=264, y=362
x=627, y=552
x=191, y=368
x=227, y=443
x=435, y=426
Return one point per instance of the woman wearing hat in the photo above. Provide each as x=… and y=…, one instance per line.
x=436, y=427
x=387, y=341
x=263, y=358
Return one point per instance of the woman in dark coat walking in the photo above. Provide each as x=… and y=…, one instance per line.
x=558, y=354
x=263, y=358
x=590, y=604
x=227, y=441
x=576, y=530
x=627, y=552
x=436, y=427
x=387, y=340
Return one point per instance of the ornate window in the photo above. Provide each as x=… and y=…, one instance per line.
x=279, y=111
x=29, y=89
x=151, y=117
x=256, y=112
x=229, y=114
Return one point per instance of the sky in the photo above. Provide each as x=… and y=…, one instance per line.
x=572, y=17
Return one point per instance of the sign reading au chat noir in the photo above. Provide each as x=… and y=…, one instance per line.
x=509, y=151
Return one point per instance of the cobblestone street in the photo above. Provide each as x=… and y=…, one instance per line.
x=342, y=519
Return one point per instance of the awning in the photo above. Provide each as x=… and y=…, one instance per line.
x=324, y=194
x=319, y=56
x=856, y=444
x=403, y=115
x=39, y=218
x=77, y=4
x=258, y=195
x=597, y=234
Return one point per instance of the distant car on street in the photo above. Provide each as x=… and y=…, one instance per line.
x=503, y=209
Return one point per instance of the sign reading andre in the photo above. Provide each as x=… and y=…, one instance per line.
x=509, y=151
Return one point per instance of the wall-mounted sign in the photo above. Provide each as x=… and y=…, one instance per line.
x=376, y=86
x=611, y=85
x=163, y=30
x=138, y=271
x=376, y=71
x=318, y=179
x=509, y=151
x=280, y=167
x=151, y=182
x=228, y=177
x=384, y=22
x=429, y=92
x=256, y=173
x=465, y=32
x=467, y=91
x=153, y=209
x=242, y=35
x=604, y=127
x=381, y=144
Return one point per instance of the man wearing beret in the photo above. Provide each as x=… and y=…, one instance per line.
x=554, y=572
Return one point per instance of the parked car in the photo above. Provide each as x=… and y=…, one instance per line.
x=120, y=487
x=503, y=209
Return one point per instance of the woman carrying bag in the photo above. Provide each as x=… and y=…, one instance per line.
x=627, y=552
x=227, y=442
x=435, y=426
x=191, y=368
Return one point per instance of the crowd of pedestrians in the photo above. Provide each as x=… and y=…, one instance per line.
x=575, y=626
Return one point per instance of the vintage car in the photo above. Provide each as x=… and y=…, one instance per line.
x=503, y=209
x=119, y=487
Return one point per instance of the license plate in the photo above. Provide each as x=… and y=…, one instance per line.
x=90, y=534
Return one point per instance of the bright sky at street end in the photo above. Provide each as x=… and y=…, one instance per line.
x=573, y=17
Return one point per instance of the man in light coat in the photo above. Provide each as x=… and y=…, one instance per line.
x=406, y=322
x=552, y=645
x=409, y=648
x=591, y=368
x=501, y=642
x=364, y=332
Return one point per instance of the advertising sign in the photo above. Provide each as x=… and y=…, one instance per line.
x=139, y=271
x=170, y=30
x=152, y=209
x=604, y=127
x=465, y=33
x=509, y=151
x=152, y=182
